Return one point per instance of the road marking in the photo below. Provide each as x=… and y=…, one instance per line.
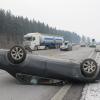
x=97, y=59
x=90, y=56
x=97, y=56
x=61, y=93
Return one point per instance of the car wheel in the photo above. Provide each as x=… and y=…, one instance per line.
x=17, y=54
x=61, y=49
x=70, y=48
x=89, y=69
x=46, y=47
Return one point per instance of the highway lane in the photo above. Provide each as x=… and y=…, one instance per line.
x=52, y=52
x=11, y=89
x=76, y=55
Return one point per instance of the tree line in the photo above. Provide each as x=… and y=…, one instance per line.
x=12, y=29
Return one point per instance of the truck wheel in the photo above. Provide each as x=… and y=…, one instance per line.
x=17, y=54
x=89, y=69
x=28, y=49
x=60, y=49
x=36, y=48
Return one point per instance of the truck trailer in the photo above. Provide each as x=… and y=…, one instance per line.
x=36, y=41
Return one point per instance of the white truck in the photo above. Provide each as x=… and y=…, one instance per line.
x=36, y=41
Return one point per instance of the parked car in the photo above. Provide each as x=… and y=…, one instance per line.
x=83, y=44
x=18, y=63
x=66, y=46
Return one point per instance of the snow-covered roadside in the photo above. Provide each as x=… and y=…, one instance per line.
x=91, y=91
x=3, y=49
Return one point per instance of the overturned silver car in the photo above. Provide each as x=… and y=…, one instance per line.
x=25, y=66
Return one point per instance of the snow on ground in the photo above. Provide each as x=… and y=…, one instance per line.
x=3, y=49
x=91, y=91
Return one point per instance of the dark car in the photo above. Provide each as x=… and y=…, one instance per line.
x=18, y=63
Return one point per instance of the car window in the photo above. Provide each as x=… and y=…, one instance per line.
x=66, y=43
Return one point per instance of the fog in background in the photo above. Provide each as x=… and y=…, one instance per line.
x=80, y=16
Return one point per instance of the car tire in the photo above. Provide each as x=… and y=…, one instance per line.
x=61, y=49
x=89, y=69
x=70, y=48
x=17, y=54
x=46, y=47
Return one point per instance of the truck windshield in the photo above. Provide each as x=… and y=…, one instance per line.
x=27, y=38
x=33, y=38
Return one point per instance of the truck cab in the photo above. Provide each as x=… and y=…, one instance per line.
x=31, y=41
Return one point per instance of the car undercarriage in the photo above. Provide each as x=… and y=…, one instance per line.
x=31, y=69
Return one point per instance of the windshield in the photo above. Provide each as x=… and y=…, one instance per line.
x=66, y=43
x=27, y=38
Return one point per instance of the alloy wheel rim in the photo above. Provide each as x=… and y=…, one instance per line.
x=89, y=67
x=17, y=53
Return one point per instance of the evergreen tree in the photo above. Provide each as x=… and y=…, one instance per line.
x=12, y=29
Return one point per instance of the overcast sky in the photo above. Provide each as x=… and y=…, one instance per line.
x=80, y=16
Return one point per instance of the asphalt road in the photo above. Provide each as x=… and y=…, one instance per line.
x=77, y=54
x=11, y=89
